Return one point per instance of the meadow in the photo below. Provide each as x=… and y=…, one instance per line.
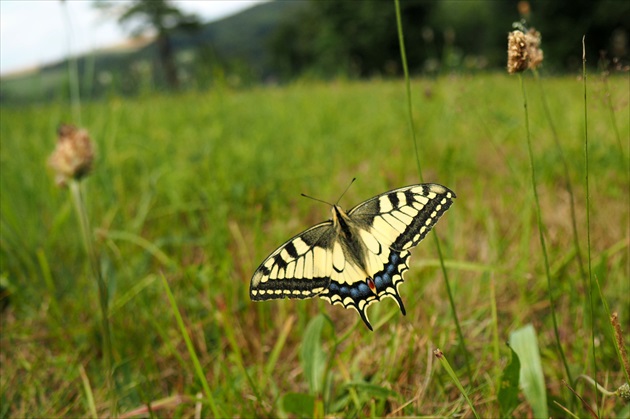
x=196, y=189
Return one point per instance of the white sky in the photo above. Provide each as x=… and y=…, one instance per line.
x=34, y=32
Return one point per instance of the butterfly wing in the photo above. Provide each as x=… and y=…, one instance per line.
x=389, y=225
x=300, y=268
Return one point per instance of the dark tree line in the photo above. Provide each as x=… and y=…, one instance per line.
x=359, y=38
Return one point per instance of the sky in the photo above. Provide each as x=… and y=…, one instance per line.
x=34, y=32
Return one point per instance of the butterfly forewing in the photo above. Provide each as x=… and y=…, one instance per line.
x=300, y=268
x=355, y=270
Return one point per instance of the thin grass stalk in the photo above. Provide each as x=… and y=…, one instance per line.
x=403, y=56
x=191, y=350
x=228, y=328
x=495, y=326
x=540, y=231
x=103, y=294
x=588, y=220
x=565, y=167
x=73, y=70
x=611, y=112
x=50, y=284
x=445, y=364
x=89, y=394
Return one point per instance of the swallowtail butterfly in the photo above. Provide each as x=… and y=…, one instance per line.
x=358, y=257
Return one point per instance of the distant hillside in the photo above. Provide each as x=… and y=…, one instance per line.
x=234, y=48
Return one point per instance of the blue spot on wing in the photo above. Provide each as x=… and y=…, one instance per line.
x=360, y=291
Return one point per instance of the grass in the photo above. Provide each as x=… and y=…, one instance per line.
x=200, y=187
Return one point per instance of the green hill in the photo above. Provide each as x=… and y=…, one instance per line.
x=234, y=45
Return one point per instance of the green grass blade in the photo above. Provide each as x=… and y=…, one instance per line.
x=591, y=288
x=541, y=234
x=191, y=350
x=89, y=394
x=445, y=364
x=277, y=348
x=403, y=56
x=312, y=354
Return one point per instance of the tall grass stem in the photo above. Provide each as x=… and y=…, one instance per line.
x=565, y=168
x=191, y=350
x=73, y=69
x=541, y=231
x=403, y=56
x=445, y=364
x=588, y=218
x=611, y=112
x=103, y=294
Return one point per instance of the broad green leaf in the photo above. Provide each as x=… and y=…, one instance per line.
x=508, y=393
x=312, y=354
x=524, y=342
x=299, y=404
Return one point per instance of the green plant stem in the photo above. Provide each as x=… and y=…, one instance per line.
x=565, y=167
x=611, y=112
x=403, y=56
x=86, y=235
x=540, y=232
x=191, y=350
x=588, y=219
x=73, y=70
x=602, y=390
x=445, y=364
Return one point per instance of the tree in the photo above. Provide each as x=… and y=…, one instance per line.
x=355, y=38
x=159, y=16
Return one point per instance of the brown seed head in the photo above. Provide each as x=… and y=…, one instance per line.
x=524, y=51
x=517, y=52
x=73, y=155
x=532, y=39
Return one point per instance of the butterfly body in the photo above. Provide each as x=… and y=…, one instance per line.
x=357, y=257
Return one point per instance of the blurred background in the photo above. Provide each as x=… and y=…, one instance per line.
x=132, y=47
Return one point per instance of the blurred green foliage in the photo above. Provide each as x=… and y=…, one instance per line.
x=279, y=41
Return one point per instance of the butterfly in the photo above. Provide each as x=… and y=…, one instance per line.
x=357, y=257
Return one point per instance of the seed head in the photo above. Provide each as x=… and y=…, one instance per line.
x=524, y=51
x=517, y=52
x=73, y=155
x=533, y=38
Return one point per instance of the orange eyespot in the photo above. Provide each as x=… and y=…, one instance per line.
x=372, y=285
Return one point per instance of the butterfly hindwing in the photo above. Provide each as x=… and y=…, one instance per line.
x=357, y=258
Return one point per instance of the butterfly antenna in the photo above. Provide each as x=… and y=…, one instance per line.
x=326, y=202
x=315, y=199
x=344, y=192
